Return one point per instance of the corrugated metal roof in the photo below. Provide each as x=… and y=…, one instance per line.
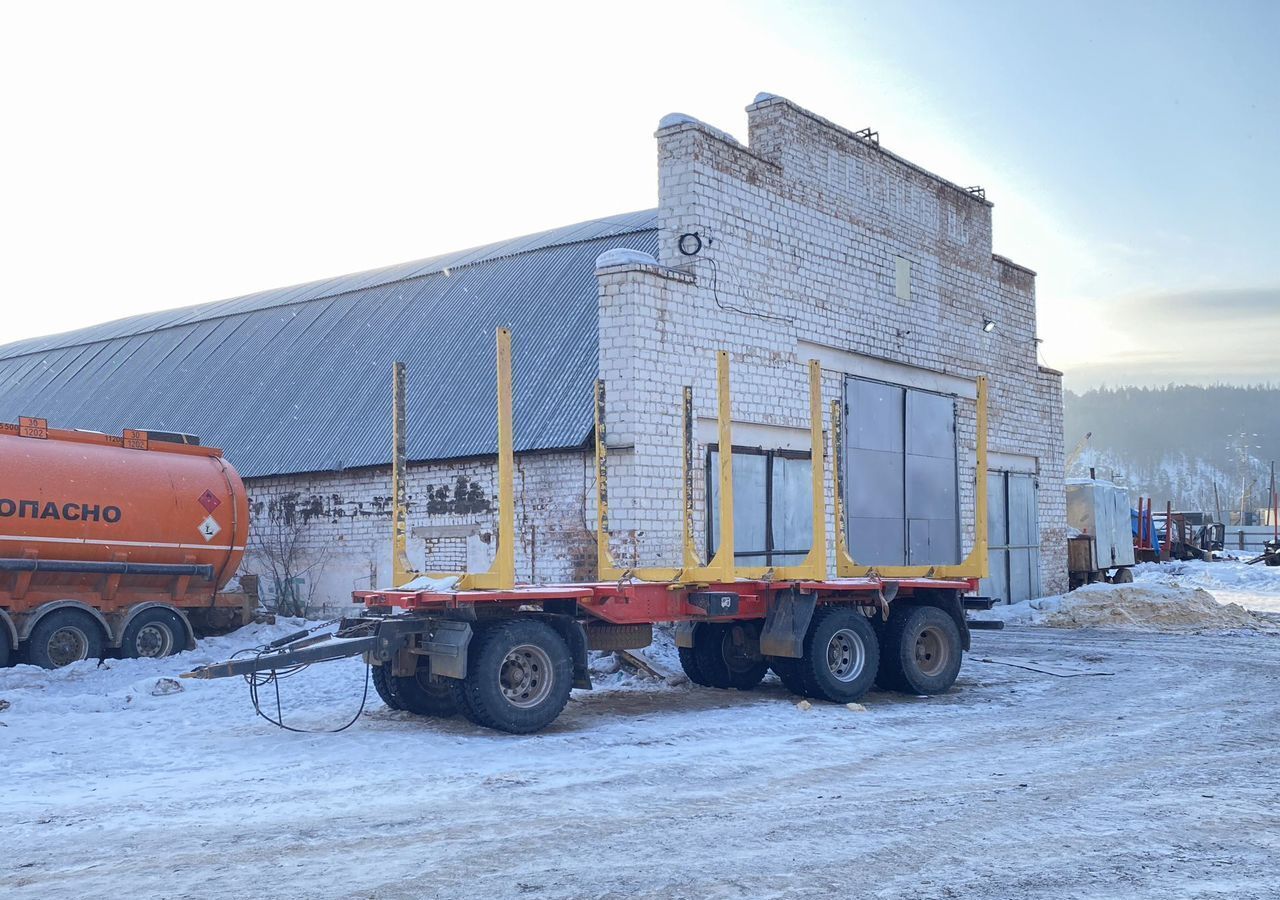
x=299, y=379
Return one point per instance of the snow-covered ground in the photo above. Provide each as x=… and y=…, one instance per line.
x=1151, y=770
x=1191, y=596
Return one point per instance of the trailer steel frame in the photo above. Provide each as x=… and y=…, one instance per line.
x=424, y=633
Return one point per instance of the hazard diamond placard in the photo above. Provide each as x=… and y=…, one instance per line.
x=209, y=529
x=209, y=500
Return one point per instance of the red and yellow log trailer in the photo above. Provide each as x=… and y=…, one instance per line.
x=506, y=655
x=114, y=544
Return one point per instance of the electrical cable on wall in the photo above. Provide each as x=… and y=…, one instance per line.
x=690, y=244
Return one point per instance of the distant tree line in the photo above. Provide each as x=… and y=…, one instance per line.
x=1174, y=442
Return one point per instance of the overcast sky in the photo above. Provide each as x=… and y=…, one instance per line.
x=157, y=155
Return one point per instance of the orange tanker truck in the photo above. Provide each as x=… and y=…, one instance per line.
x=114, y=545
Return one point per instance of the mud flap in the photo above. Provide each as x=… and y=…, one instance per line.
x=684, y=634
x=445, y=644
x=788, y=621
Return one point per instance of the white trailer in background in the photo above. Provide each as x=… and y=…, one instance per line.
x=1101, y=546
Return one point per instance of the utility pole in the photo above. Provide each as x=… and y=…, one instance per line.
x=1275, y=505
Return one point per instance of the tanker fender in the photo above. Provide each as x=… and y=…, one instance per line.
x=28, y=621
x=8, y=631
x=133, y=611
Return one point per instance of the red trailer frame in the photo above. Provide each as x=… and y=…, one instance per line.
x=506, y=654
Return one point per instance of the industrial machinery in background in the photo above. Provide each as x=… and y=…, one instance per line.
x=506, y=655
x=1188, y=535
x=115, y=545
x=1102, y=545
x=1271, y=549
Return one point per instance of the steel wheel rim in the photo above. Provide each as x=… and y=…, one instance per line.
x=846, y=657
x=67, y=645
x=154, y=641
x=738, y=656
x=525, y=676
x=932, y=654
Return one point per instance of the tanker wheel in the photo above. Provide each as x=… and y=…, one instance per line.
x=63, y=637
x=425, y=694
x=519, y=674
x=1123, y=575
x=728, y=654
x=6, y=653
x=841, y=655
x=921, y=651
x=153, y=634
x=383, y=685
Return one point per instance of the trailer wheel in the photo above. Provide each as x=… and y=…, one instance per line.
x=921, y=651
x=788, y=670
x=841, y=655
x=382, y=683
x=1123, y=575
x=689, y=662
x=425, y=694
x=728, y=655
x=519, y=674
x=153, y=634
x=62, y=637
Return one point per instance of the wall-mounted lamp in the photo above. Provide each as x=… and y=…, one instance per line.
x=988, y=326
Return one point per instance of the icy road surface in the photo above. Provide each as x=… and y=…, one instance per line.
x=1160, y=780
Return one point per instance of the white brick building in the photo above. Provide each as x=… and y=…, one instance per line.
x=805, y=242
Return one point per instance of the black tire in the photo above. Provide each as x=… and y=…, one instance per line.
x=689, y=662
x=427, y=695
x=64, y=636
x=519, y=674
x=728, y=654
x=6, y=652
x=841, y=655
x=383, y=683
x=788, y=670
x=1123, y=575
x=154, y=634
x=920, y=651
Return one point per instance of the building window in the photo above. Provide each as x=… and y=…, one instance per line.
x=772, y=506
x=902, y=278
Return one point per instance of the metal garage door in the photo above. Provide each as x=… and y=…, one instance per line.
x=901, y=481
x=1013, y=532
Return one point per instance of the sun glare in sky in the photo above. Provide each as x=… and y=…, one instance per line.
x=159, y=155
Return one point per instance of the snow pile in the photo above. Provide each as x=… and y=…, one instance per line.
x=433, y=585
x=621, y=256
x=675, y=119
x=671, y=120
x=1254, y=587
x=1139, y=606
x=619, y=670
x=1151, y=607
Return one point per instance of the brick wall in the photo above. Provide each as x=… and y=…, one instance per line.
x=341, y=522
x=801, y=233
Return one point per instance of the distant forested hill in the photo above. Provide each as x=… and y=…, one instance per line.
x=1175, y=442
